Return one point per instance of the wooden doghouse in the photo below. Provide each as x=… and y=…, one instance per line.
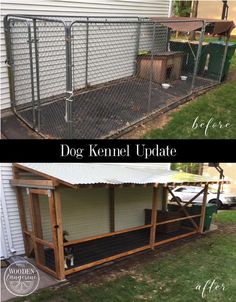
x=165, y=66
x=102, y=208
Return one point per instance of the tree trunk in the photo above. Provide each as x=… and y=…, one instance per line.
x=194, y=15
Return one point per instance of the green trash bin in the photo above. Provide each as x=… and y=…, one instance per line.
x=215, y=53
x=210, y=210
x=190, y=50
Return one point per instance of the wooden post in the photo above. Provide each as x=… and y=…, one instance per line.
x=112, y=208
x=182, y=208
x=59, y=229
x=203, y=210
x=21, y=208
x=36, y=227
x=164, y=198
x=154, y=218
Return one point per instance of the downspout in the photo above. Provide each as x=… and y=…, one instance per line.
x=170, y=8
x=6, y=221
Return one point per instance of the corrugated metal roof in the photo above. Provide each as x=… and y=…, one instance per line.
x=101, y=173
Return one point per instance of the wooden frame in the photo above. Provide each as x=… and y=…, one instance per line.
x=33, y=183
x=178, y=219
x=203, y=210
x=112, y=208
x=90, y=238
x=104, y=260
x=49, y=188
x=153, y=218
x=183, y=208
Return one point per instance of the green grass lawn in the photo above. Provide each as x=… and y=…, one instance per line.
x=227, y=216
x=217, y=106
x=178, y=274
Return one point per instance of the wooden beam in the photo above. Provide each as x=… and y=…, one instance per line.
x=153, y=218
x=54, y=234
x=175, y=238
x=182, y=207
x=21, y=208
x=71, y=242
x=203, y=210
x=164, y=198
x=112, y=208
x=59, y=230
x=46, y=269
x=33, y=183
x=40, y=192
x=178, y=219
x=43, y=242
x=192, y=199
x=57, y=181
x=36, y=227
x=108, y=259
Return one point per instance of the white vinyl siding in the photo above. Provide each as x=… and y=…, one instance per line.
x=78, y=8
x=85, y=212
x=10, y=222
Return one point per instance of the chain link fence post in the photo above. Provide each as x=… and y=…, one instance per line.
x=224, y=59
x=9, y=62
x=30, y=42
x=69, y=88
x=197, y=59
x=37, y=75
x=151, y=68
x=137, y=46
x=87, y=51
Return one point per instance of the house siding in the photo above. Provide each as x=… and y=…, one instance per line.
x=74, y=220
x=78, y=8
x=10, y=222
x=86, y=212
x=130, y=204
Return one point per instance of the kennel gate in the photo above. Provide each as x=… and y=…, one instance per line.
x=90, y=77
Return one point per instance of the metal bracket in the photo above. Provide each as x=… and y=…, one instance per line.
x=27, y=191
x=8, y=63
x=49, y=193
x=68, y=39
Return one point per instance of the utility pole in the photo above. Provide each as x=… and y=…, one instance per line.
x=225, y=10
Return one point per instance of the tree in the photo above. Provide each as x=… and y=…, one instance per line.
x=182, y=8
x=194, y=15
x=194, y=168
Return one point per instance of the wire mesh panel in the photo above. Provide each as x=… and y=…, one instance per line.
x=101, y=227
x=90, y=77
x=27, y=214
x=46, y=256
x=22, y=69
x=51, y=77
x=194, y=61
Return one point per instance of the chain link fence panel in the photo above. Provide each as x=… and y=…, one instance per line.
x=91, y=77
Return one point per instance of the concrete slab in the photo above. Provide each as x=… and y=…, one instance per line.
x=13, y=128
x=45, y=279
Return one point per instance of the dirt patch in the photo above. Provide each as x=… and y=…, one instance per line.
x=227, y=228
